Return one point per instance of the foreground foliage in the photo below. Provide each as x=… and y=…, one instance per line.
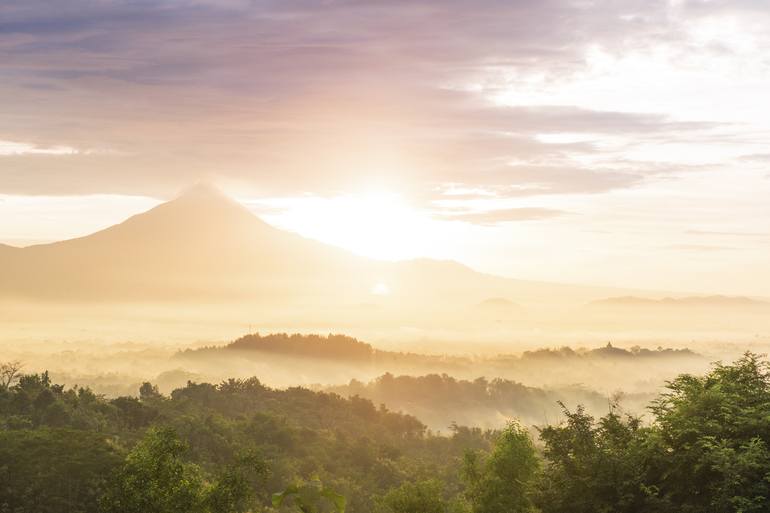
x=706, y=451
x=225, y=447
x=228, y=448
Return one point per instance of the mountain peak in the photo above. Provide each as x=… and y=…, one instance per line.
x=203, y=190
x=206, y=199
x=202, y=215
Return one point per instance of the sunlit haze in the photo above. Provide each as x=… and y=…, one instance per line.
x=619, y=143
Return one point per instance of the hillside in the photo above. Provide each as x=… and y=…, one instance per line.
x=200, y=245
x=239, y=441
x=315, y=360
x=682, y=302
x=205, y=246
x=203, y=265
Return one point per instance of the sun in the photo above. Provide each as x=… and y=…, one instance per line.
x=380, y=225
x=380, y=289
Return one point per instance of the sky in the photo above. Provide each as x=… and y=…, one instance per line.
x=616, y=142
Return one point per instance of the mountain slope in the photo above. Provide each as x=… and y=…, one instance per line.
x=204, y=246
x=201, y=243
x=202, y=263
x=681, y=302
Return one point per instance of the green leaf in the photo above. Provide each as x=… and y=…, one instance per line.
x=338, y=500
x=279, y=497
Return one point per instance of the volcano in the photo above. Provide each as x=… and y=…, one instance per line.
x=203, y=246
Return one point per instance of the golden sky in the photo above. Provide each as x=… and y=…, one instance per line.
x=601, y=142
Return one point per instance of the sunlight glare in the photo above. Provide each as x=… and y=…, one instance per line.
x=380, y=289
x=377, y=225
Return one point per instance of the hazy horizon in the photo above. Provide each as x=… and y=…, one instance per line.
x=148, y=203
x=204, y=265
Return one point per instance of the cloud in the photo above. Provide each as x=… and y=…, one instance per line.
x=20, y=148
x=281, y=97
x=495, y=217
x=700, y=248
x=727, y=233
x=756, y=158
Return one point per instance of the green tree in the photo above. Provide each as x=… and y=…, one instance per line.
x=502, y=481
x=149, y=392
x=595, y=467
x=311, y=497
x=706, y=450
x=233, y=492
x=156, y=479
x=419, y=497
x=713, y=438
x=53, y=470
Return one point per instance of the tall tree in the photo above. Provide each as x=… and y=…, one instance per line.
x=156, y=479
x=501, y=482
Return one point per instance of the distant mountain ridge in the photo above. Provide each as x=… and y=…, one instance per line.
x=688, y=301
x=316, y=346
x=200, y=244
x=608, y=351
x=345, y=348
x=203, y=246
x=497, y=303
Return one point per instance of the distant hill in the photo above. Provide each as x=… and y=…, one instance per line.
x=281, y=349
x=202, y=263
x=343, y=346
x=689, y=301
x=441, y=400
x=607, y=351
x=332, y=347
x=497, y=304
x=313, y=346
x=203, y=246
x=313, y=360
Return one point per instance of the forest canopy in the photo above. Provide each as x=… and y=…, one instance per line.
x=230, y=447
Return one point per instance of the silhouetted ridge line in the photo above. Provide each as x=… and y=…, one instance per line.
x=607, y=351
x=318, y=346
x=343, y=347
x=702, y=301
